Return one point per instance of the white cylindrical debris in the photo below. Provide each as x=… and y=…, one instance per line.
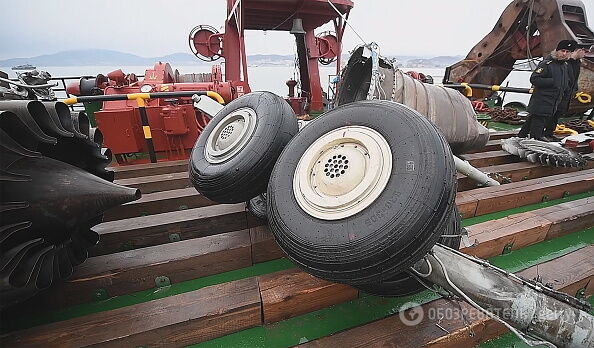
x=473, y=173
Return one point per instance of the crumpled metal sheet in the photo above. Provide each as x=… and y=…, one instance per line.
x=452, y=113
x=549, y=154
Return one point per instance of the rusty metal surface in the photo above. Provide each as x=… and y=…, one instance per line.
x=548, y=22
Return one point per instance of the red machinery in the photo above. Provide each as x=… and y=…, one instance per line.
x=301, y=18
x=174, y=124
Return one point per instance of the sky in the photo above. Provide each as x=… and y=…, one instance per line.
x=151, y=28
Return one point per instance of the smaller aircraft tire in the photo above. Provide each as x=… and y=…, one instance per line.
x=232, y=159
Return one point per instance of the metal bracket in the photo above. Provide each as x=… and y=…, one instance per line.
x=174, y=237
x=507, y=248
x=375, y=73
x=162, y=281
x=100, y=294
x=465, y=239
x=205, y=104
x=581, y=294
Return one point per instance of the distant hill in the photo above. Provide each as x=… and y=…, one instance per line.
x=435, y=62
x=115, y=58
x=97, y=57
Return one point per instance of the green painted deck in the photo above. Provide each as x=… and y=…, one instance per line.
x=332, y=319
x=326, y=321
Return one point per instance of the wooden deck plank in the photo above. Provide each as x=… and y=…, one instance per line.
x=132, y=271
x=498, y=198
x=569, y=217
x=516, y=172
x=491, y=145
x=491, y=238
x=466, y=203
x=155, y=183
x=120, y=235
x=174, y=321
x=502, y=134
x=159, y=202
x=185, y=198
x=392, y=331
x=289, y=293
x=136, y=270
x=146, y=169
x=490, y=158
x=264, y=247
x=570, y=272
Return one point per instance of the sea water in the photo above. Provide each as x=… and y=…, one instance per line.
x=267, y=78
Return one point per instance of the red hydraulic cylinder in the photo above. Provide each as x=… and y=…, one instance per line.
x=313, y=72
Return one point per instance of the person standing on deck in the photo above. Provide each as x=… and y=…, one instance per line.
x=574, y=64
x=550, y=81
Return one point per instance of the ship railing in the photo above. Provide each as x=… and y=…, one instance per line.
x=60, y=89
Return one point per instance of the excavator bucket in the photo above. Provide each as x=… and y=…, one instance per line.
x=528, y=29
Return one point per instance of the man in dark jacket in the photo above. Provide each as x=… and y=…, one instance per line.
x=574, y=65
x=550, y=82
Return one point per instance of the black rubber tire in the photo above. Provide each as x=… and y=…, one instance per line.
x=257, y=206
x=404, y=284
x=246, y=174
x=394, y=231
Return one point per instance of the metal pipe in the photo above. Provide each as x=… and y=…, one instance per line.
x=507, y=300
x=494, y=88
x=136, y=96
x=481, y=178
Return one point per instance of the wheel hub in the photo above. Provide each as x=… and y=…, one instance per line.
x=342, y=172
x=230, y=135
x=339, y=170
